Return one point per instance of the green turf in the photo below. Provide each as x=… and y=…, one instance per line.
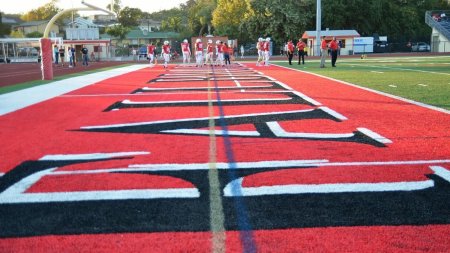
x=422, y=79
x=25, y=85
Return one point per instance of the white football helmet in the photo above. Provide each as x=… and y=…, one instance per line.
x=209, y=41
x=185, y=40
x=218, y=42
x=166, y=42
x=198, y=40
x=260, y=39
x=268, y=39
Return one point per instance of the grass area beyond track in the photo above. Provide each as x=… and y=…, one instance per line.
x=422, y=79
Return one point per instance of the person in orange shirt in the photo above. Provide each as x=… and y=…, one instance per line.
x=301, y=51
x=334, y=46
x=290, y=51
x=323, y=50
x=226, y=53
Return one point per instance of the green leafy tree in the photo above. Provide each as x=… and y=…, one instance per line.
x=35, y=34
x=172, y=24
x=46, y=12
x=130, y=17
x=116, y=7
x=229, y=15
x=200, y=16
x=118, y=31
x=279, y=19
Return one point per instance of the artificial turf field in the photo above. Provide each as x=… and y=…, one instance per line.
x=246, y=158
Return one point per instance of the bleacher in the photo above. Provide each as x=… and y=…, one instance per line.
x=439, y=20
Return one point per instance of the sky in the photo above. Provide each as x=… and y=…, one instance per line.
x=23, y=6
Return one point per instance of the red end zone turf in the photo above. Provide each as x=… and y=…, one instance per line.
x=283, y=161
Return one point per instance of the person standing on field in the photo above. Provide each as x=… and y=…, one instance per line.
x=151, y=52
x=323, y=50
x=290, y=51
x=334, y=46
x=186, y=51
x=199, y=53
x=209, y=52
x=266, y=49
x=165, y=53
x=61, y=55
x=301, y=51
x=259, y=46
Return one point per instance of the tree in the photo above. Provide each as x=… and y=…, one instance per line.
x=279, y=19
x=200, y=16
x=229, y=15
x=46, y=12
x=172, y=24
x=17, y=34
x=130, y=16
x=35, y=34
x=118, y=31
x=116, y=7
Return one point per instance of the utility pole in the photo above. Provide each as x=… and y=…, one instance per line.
x=318, y=27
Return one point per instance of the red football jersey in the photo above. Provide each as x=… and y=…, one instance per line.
x=150, y=49
x=185, y=47
x=199, y=46
x=166, y=49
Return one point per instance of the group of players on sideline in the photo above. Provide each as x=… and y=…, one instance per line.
x=204, y=55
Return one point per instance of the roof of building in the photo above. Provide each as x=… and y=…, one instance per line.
x=138, y=34
x=33, y=23
x=81, y=22
x=6, y=20
x=332, y=33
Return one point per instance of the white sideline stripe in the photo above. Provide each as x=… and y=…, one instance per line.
x=423, y=85
x=417, y=162
x=325, y=188
x=374, y=135
x=99, y=195
x=247, y=165
x=393, y=86
x=431, y=107
x=280, y=132
x=333, y=113
x=16, y=100
x=225, y=166
x=303, y=96
x=90, y=156
x=128, y=102
x=442, y=172
x=377, y=72
x=216, y=132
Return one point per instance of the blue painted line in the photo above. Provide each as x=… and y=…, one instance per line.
x=245, y=228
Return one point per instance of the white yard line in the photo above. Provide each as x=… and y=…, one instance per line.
x=14, y=101
x=375, y=91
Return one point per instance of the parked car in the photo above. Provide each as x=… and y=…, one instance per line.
x=420, y=47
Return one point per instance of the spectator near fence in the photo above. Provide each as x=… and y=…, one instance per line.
x=84, y=52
